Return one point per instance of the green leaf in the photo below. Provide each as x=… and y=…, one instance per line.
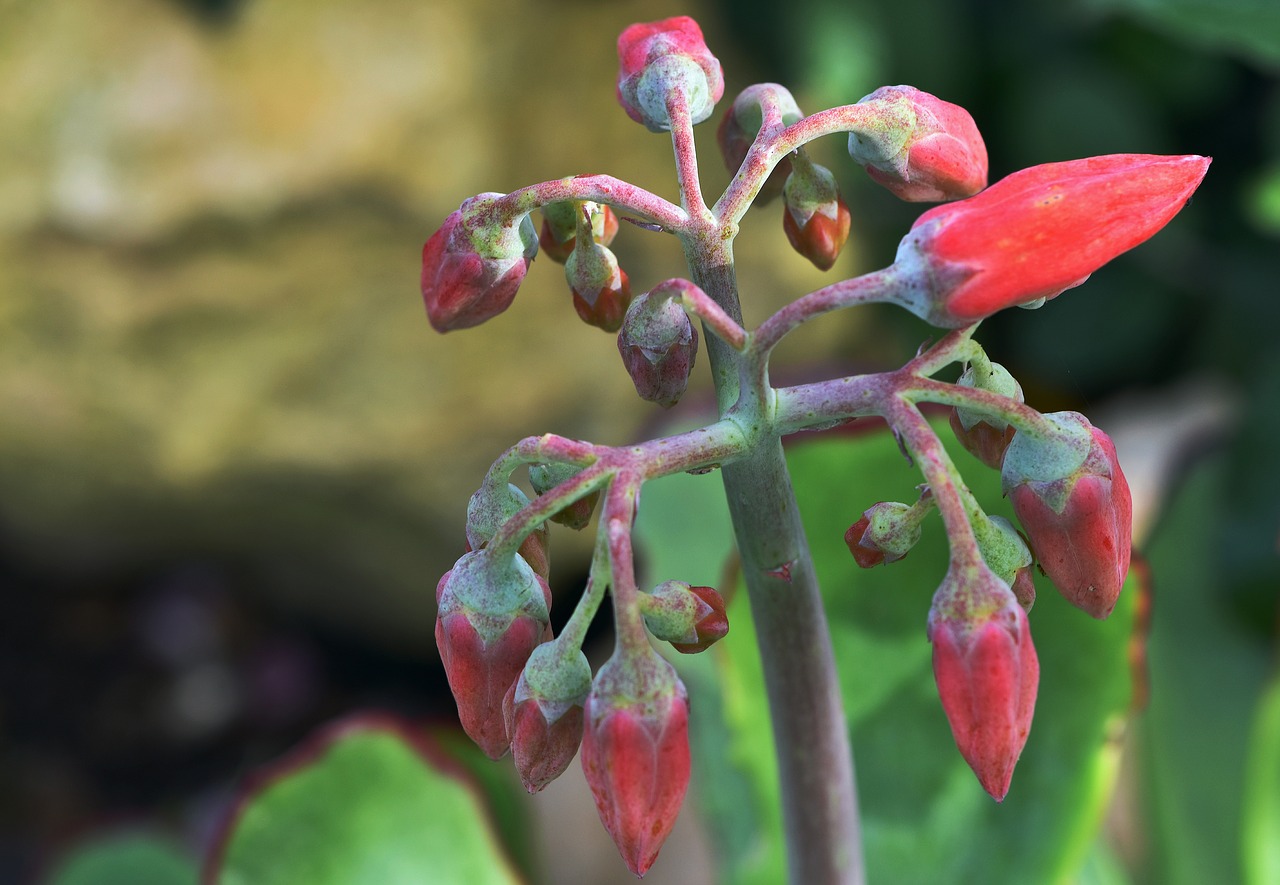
x=1207, y=673
x=1248, y=27
x=133, y=859
x=369, y=801
x=1261, y=831
x=923, y=810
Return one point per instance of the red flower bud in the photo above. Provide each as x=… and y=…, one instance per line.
x=927, y=150
x=658, y=57
x=1038, y=232
x=490, y=618
x=635, y=753
x=983, y=436
x=884, y=533
x=544, y=715
x=470, y=273
x=740, y=126
x=692, y=619
x=658, y=344
x=601, y=290
x=560, y=227
x=815, y=219
x=1078, y=515
x=987, y=672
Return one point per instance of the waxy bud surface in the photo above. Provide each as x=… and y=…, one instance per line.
x=1079, y=520
x=560, y=227
x=490, y=617
x=544, y=477
x=983, y=436
x=884, y=533
x=544, y=714
x=923, y=149
x=1038, y=232
x=472, y=268
x=692, y=619
x=635, y=753
x=489, y=508
x=658, y=345
x=656, y=58
x=986, y=670
x=815, y=219
x=601, y=290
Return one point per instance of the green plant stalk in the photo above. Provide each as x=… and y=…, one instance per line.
x=815, y=760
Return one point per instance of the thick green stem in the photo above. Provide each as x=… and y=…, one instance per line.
x=815, y=762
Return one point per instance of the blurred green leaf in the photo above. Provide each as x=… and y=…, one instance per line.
x=1206, y=675
x=367, y=803
x=923, y=810
x=1250, y=27
x=1261, y=830
x=132, y=859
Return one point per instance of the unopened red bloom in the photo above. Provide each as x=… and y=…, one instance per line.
x=1038, y=232
x=656, y=58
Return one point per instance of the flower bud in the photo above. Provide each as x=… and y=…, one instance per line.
x=543, y=714
x=1038, y=232
x=601, y=290
x=489, y=508
x=635, y=753
x=490, y=617
x=658, y=58
x=544, y=477
x=740, y=126
x=1006, y=553
x=884, y=533
x=987, y=672
x=560, y=227
x=815, y=219
x=473, y=265
x=1078, y=514
x=658, y=344
x=924, y=150
x=692, y=619
x=983, y=436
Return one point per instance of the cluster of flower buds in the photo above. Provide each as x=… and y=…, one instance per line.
x=692, y=619
x=925, y=150
x=983, y=436
x=635, y=752
x=887, y=531
x=659, y=59
x=1074, y=503
x=986, y=669
x=473, y=265
x=659, y=344
x=741, y=124
x=1038, y=232
x=491, y=615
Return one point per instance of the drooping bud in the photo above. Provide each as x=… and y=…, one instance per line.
x=489, y=508
x=560, y=227
x=884, y=533
x=815, y=219
x=635, y=753
x=658, y=344
x=473, y=265
x=490, y=617
x=1078, y=514
x=986, y=669
x=544, y=477
x=601, y=290
x=923, y=149
x=1006, y=553
x=1038, y=232
x=983, y=436
x=740, y=126
x=692, y=619
x=544, y=714
x=658, y=58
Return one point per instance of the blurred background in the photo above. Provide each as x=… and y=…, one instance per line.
x=234, y=458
